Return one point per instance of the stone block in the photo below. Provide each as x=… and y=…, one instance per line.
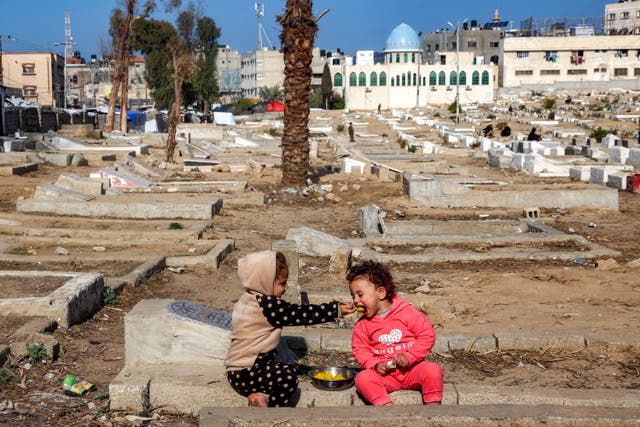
x=599, y=175
x=349, y=165
x=518, y=161
x=618, y=155
x=471, y=342
x=80, y=184
x=13, y=145
x=57, y=159
x=172, y=332
x=289, y=249
x=617, y=181
x=340, y=261
x=369, y=220
x=634, y=157
x=580, y=173
x=315, y=243
x=55, y=192
x=79, y=160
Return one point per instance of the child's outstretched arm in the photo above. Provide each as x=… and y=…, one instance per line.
x=282, y=313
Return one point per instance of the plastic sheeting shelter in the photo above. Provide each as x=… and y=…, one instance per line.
x=275, y=106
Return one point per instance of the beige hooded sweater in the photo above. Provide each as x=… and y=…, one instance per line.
x=251, y=333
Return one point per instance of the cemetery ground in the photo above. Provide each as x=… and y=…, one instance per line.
x=601, y=296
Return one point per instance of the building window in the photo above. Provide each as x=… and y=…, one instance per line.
x=28, y=68
x=374, y=79
x=362, y=79
x=413, y=58
x=415, y=77
x=437, y=46
x=549, y=72
x=383, y=78
x=397, y=58
x=424, y=81
x=577, y=57
x=337, y=80
x=442, y=78
x=393, y=80
x=352, y=79
x=454, y=45
x=620, y=72
x=404, y=80
x=463, y=78
x=522, y=54
x=625, y=15
x=494, y=44
x=432, y=78
x=636, y=71
x=485, y=78
x=29, y=91
x=551, y=55
x=577, y=72
x=406, y=57
x=622, y=53
x=600, y=70
x=472, y=44
x=475, y=78
x=611, y=16
x=390, y=58
x=428, y=48
x=518, y=73
x=453, y=78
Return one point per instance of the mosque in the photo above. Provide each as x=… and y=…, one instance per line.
x=405, y=80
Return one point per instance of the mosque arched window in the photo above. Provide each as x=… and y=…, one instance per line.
x=397, y=57
x=433, y=78
x=413, y=58
x=424, y=81
x=442, y=78
x=485, y=77
x=463, y=78
x=453, y=78
x=475, y=78
x=415, y=77
x=393, y=81
x=373, y=78
x=362, y=79
x=383, y=78
x=337, y=80
x=404, y=80
x=352, y=79
x=406, y=57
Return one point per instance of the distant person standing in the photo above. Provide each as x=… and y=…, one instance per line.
x=510, y=110
x=351, y=132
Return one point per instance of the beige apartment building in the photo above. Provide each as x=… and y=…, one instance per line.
x=622, y=17
x=261, y=68
x=37, y=76
x=578, y=62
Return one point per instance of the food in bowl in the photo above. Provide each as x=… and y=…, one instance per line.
x=332, y=377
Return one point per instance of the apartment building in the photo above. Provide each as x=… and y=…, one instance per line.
x=37, y=77
x=261, y=68
x=229, y=65
x=571, y=62
x=622, y=17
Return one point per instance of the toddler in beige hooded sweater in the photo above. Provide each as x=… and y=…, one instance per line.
x=256, y=327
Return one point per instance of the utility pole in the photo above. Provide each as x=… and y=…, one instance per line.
x=457, y=29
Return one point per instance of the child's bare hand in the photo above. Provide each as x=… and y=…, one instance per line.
x=383, y=368
x=401, y=361
x=346, y=308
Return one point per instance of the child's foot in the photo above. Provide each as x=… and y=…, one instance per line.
x=260, y=400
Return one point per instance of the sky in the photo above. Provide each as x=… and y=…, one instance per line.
x=38, y=25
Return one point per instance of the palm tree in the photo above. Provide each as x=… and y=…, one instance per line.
x=274, y=92
x=298, y=32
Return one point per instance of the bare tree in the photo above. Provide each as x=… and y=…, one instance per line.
x=298, y=32
x=183, y=66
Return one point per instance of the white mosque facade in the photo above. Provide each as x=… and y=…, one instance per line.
x=404, y=81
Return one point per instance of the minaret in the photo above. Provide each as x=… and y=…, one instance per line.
x=496, y=16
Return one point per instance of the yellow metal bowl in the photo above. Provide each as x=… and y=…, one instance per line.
x=345, y=378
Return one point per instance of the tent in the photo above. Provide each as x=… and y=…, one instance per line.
x=275, y=106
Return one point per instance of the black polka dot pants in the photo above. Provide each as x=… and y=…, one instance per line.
x=278, y=380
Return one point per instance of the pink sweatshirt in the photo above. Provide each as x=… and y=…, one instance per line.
x=403, y=330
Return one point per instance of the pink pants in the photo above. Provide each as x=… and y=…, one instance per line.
x=424, y=376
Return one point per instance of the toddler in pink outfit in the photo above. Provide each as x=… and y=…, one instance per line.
x=390, y=340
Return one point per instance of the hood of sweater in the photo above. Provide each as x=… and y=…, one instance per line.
x=257, y=272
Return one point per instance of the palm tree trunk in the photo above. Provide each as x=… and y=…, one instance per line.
x=124, y=92
x=120, y=75
x=298, y=32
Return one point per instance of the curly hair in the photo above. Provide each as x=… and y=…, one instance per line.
x=376, y=273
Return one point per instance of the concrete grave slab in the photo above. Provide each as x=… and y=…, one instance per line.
x=71, y=303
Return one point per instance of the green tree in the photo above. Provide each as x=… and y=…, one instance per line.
x=274, y=92
x=205, y=77
x=326, y=87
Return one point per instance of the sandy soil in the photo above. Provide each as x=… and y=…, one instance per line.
x=466, y=297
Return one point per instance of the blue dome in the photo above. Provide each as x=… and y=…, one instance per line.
x=403, y=38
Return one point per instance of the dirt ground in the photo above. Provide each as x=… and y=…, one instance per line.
x=478, y=297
